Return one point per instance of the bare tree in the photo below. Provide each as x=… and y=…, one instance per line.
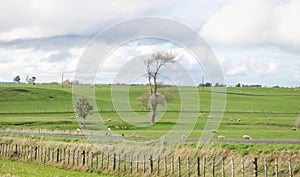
x=153, y=65
x=83, y=108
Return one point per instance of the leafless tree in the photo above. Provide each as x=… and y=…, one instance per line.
x=153, y=65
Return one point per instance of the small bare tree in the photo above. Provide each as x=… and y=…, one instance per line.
x=153, y=65
x=83, y=108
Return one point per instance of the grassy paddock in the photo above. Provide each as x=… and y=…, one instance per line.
x=264, y=113
x=17, y=168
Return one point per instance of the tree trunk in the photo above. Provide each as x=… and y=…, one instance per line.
x=154, y=105
x=83, y=122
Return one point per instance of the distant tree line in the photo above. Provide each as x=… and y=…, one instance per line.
x=208, y=84
x=29, y=80
x=243, y=85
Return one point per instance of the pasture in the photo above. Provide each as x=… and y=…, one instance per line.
x=264, y=113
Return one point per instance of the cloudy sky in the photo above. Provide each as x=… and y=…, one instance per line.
x=255, y=41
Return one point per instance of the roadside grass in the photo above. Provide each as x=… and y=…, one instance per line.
x=17, y=168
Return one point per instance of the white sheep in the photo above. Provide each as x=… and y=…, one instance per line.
x=221, y=137
x=108, y=131
x=247, y=137
x=108, y=120
x=239, y=120
x=78, y=131
x=231, y=120
x=294, y=128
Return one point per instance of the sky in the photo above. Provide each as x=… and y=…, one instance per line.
x=255, y=41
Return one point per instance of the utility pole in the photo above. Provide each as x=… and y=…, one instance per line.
x=62, y=80
x=202, y=83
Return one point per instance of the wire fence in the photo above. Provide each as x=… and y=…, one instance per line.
x=87, y=159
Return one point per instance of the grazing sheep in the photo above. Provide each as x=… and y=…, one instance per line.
x=78, y=131
x=108, y=120
x=77, y=117
x=239, y=120
x=117, y=127
x=294, y=128
x=183, y=137
x=108, y=131
x=231, y=120
x=247, y=137
x=214, y=131
x=221, y=137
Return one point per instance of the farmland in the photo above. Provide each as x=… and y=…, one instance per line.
x=264, y=113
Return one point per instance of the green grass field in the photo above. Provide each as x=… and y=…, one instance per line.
x=265, y=113
x=17, y=168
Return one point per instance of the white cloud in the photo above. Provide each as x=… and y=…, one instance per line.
x=255, y=23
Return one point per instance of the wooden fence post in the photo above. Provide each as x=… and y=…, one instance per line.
x=97, y=159
x=265, y=167
x=92, y=159
x=172, y=165
x=198, y=166
x=158, y=161
x=213, y=166
x=35, y=153
x=137, y=163
x=87, y=154
x=130, y=163
x=276, y=167
x=188, y=167
x=119, y=162
x=290, y=168
x=144, y=164
x=102, y=159
x=223, y=167
x=243, y=167
x=232, y=167
x=204, y=166
x=108, y=161
x=255, y=167
x=165, y=165
x=124, y=165
x=114, y=162
x=73, y=157
x=179, y=166
x=151, y=164
x=77, y=158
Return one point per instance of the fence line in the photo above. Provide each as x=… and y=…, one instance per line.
x=111, y=163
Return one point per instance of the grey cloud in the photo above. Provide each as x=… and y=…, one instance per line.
x=50, y=43
x=56, y=57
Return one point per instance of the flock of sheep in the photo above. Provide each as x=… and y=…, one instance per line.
x=220, y=137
